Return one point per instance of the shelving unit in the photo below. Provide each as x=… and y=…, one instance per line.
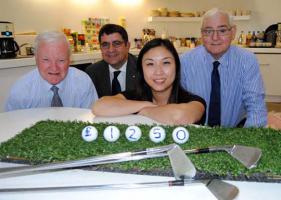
x=189, y=19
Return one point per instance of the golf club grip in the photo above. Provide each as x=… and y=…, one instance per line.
x=195, y=151
x=16, y=160
x=204, y=150
x=176, y=183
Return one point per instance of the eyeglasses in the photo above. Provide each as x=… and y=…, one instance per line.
x=115, y=44
x=220, y=32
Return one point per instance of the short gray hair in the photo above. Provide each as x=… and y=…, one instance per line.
x=215, y=11
x=50, y=37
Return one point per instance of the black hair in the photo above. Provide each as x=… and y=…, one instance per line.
x=144, y=90
x=113, y=28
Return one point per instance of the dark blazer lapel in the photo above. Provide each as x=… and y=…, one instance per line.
x=131, y=73
x=105, y=76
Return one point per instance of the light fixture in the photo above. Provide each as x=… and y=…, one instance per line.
x=127, y=2
x=84, y=2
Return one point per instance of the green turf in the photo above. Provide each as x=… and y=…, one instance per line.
x=50, y=141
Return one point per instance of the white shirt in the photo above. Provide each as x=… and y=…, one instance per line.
x=121, y=77
x=31, y=91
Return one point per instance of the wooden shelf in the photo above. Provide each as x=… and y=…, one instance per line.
x=189, y=19
x=174, y=19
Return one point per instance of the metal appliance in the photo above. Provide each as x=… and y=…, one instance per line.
x=8, y=46
x=270, y=34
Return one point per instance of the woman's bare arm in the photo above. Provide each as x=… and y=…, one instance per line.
x=175, y=114
x=118, y=105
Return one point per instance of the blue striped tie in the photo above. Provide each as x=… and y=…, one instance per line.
x=214, y=117
x=56, y=101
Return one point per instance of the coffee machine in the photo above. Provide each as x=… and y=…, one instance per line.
x=8, y=46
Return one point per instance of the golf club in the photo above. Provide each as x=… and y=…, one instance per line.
x=248, y=156
x=184, y=170
x=96, y=160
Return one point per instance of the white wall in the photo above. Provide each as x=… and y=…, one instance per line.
x=40, y=15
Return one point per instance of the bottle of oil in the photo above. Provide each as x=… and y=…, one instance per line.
x=241, y=38
x=248, y=38
x=253, y=40
x=254, y=37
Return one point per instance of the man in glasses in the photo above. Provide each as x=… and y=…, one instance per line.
x=117, y=71
x=226, y=76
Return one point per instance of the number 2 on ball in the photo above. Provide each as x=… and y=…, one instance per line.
x=132, y=133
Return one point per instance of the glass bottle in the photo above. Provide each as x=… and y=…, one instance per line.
x=241, y=38
x=248, y=38
x=192, y=43
x=261, y=36
x=253, y=40
x=254, y=37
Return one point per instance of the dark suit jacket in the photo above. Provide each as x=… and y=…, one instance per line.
x=99, y=73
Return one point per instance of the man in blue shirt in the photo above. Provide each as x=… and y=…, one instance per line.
x=53, y=82
x=226, y=76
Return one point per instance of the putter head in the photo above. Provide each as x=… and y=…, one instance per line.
x=182, y=167
x=222, y=190
x=248, y=156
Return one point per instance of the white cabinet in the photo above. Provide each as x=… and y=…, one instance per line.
x=270, y=66
x=8, y=76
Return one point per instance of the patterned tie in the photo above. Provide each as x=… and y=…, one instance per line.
x=56, y=101
x=116, y=88
x=214, y=118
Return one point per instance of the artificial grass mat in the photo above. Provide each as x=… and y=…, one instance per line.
x=52, y=141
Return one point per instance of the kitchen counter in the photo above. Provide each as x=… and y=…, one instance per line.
x=93, y=56
x=76, y=58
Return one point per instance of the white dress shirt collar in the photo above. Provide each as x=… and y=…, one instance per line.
x=121, y=77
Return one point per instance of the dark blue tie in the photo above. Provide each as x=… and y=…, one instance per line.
x=116, y=88
x=56, y=101
x=214, y=118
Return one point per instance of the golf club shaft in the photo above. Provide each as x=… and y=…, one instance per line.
x=19, y=160
x=220, y=189
x=97, y=160
x=103, y=187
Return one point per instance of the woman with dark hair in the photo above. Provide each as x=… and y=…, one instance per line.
x=159, y=95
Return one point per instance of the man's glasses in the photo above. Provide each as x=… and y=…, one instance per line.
x=115, y=44
x=220, y=32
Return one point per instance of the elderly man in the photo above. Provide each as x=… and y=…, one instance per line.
x=117, y=71
x=226, y=76
x=53, y=82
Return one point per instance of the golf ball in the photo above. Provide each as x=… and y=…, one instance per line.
x=133, y=133
x=111, y=133
x=157, y=134
x=89, y=133
x=180, y=135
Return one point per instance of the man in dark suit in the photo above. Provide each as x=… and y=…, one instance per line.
x=117, y=71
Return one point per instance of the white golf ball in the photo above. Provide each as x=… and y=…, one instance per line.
x=133, y=133
x=89, y=133
x=180, y=135
x=111, y=133
x=157, y=134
